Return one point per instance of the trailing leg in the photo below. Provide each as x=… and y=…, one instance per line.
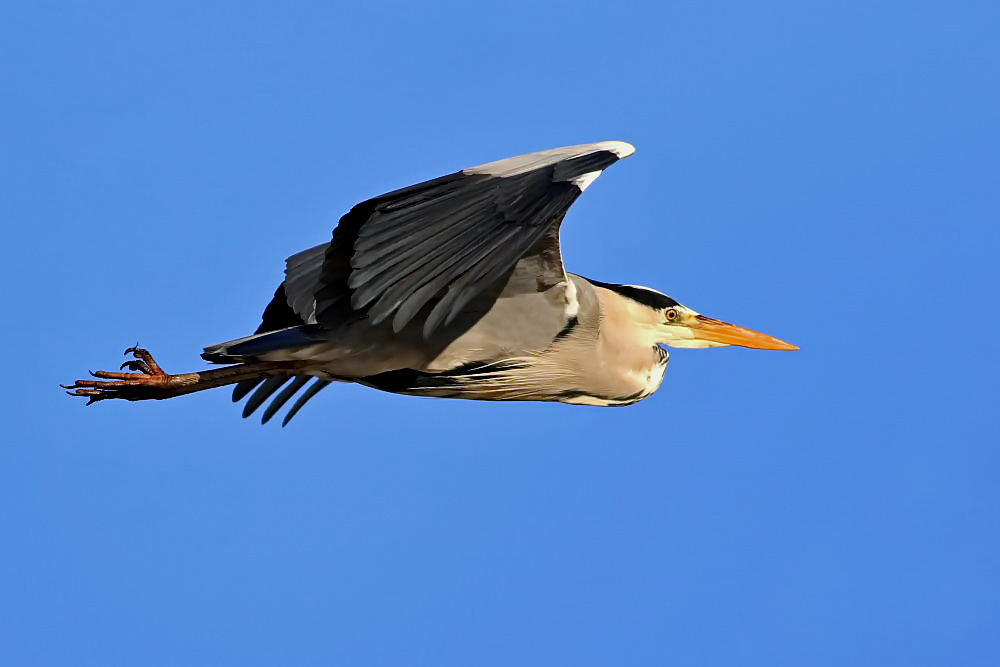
x=151, y=382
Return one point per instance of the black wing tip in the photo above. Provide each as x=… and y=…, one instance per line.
x=243, y=388
x=282, y=398
x=311, y=391
x=263, y=392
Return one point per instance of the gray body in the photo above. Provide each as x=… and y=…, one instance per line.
x=455, y=288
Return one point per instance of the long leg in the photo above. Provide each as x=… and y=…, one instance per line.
x=151, y=382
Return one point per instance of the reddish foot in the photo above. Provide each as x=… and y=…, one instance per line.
x=149, y=382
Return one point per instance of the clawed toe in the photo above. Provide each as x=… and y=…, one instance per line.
x=144, y=358
x=136, y=365
x=92, y=395
x=148, y=382
x=109, y=375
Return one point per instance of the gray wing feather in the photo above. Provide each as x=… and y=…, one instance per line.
x=302, y=274
x=429, y=249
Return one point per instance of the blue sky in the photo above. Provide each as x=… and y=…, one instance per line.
x=825, y=172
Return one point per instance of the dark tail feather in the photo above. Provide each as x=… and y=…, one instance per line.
x=313, y=389
x=282, y=398
x=263, y=392
x=243, y=388
x=266, y=387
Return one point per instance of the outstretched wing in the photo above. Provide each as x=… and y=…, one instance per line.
x=425, y=251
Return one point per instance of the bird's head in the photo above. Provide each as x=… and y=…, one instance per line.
x=667, y=322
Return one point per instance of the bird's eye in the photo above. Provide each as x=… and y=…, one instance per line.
x=671, y=314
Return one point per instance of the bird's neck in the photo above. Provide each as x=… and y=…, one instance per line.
x=639, y=362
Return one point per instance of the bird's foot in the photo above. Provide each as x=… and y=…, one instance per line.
x=148, y=382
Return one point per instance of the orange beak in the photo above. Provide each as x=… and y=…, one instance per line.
x=707, y=329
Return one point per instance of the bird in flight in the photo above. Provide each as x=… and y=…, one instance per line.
x=452, y=288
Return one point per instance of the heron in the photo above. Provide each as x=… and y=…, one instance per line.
x=450, y=288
